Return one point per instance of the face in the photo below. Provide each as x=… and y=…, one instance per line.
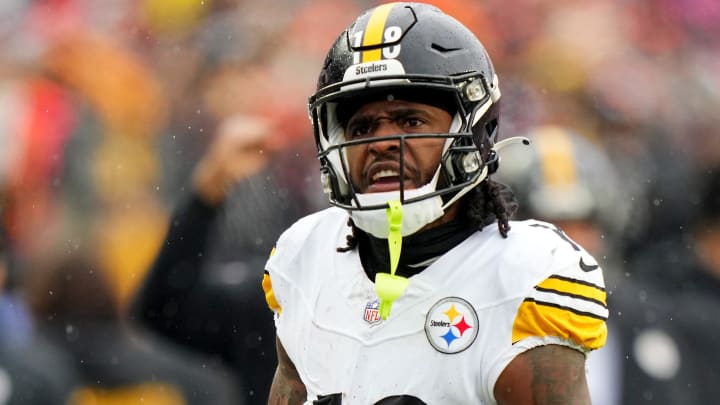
x=375, y=166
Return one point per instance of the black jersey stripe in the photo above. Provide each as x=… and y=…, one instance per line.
x=576, y=281
x=565, y=308
x=571, y=295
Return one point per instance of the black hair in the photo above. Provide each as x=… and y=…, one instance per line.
x=490, y=202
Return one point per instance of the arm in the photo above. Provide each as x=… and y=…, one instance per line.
x=550, y=374
x=287, y=388
x=171, y=290
x=176, y=269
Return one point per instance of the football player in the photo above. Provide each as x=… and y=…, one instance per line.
x=402, y=291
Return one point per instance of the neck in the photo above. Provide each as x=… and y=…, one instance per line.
x=418, y=252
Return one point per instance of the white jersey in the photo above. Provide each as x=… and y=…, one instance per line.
x=456, y=327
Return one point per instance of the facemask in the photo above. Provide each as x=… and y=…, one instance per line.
x=418, y=214
x=415, y=215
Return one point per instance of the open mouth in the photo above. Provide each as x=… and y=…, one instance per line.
x=385, y=175
x=385, y=179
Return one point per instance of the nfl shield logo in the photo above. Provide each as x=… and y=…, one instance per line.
x=372, y=312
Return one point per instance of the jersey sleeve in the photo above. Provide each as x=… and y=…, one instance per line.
x=277, y=288
x=281, y=282
x=568, y=307
x=270, y=298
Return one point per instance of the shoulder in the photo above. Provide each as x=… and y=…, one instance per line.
x=568, y=303
x=531, y=251
x=321, y=222
x=536, y=233
x=310, y=221
x=544, y=244
x=513, y=267
x=299, y=263
x=316, y=234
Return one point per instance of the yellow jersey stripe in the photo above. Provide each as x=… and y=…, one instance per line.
x=541, y=319
x=270, y=294
x=574, y=288
x=374, y=32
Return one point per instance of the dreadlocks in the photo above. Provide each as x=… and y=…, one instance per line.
x=488, y=203
x=351, y=239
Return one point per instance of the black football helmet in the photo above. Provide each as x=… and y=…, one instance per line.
x=409, y=51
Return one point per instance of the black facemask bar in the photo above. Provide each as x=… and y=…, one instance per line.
x=453, y=154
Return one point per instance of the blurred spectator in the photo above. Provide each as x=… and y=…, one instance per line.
x=105, y=107
x=669, y=319
x=15, y=318
x=660, y=300
x=36, y=373
x=75, y=309
x=567, y=179
x=238, y=138
x=202, y=289
x=33, y=370
x=570, y=182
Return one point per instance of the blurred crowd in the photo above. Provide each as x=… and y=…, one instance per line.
x=106, y=108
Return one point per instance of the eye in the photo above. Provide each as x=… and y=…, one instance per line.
x=358, y=130
x=413, y=122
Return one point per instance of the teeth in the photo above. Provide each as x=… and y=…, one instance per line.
x=385, y=173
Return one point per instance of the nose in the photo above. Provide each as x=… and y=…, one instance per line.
x=385, y=128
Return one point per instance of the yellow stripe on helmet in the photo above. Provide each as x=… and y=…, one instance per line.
x=374, y=32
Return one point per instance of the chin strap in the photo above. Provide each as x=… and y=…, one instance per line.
x=390, y=287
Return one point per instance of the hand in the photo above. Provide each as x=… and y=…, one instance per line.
x=237, y=152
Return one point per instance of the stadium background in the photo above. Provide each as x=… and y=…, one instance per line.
x=105, y=107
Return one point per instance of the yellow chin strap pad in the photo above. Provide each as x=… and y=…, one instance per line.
x=390, y=287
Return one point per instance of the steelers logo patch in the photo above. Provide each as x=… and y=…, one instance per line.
x=451, y=325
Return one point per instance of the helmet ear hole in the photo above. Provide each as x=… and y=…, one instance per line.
x=462, y=165
x=471, y=162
